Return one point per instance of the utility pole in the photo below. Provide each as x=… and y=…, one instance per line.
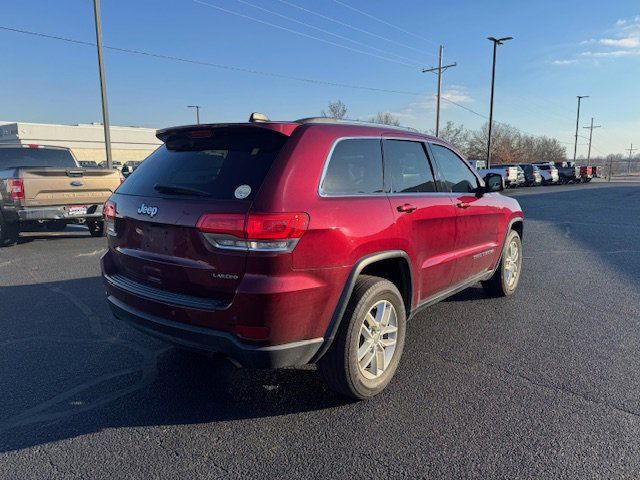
x=440, y=69
x=496, y=42
x=197, y=107
x=103, y=84
x=630, y=150
x=575, y=145
x=590, y=138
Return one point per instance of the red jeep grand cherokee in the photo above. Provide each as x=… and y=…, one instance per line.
x=313, y=241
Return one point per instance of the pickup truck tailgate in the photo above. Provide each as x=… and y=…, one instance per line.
x=55, y=186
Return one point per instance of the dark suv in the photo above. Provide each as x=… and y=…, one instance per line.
x=313, y=241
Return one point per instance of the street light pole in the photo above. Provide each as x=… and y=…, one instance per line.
x=103, y=84
x=197, y=107
x=496, y=42
x=575, y=145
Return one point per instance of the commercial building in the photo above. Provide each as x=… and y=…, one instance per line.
x=86, y=141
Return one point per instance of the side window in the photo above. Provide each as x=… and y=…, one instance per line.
x=408, y=167
x=355, y=168
x=454, y=173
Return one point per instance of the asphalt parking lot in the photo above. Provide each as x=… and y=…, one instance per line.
x=542, y=385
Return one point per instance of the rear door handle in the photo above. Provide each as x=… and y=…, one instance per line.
x=407, y=208
x=463, y=205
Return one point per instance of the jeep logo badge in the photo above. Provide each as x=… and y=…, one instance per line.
x=147, y=210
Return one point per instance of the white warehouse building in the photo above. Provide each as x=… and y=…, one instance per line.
x=86, y=141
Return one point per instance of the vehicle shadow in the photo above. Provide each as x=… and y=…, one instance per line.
x=87, y=371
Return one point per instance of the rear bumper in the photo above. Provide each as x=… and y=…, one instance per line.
x=61, y=212
x=208, y=340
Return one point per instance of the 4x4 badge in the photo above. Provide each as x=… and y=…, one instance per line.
x=147, y=210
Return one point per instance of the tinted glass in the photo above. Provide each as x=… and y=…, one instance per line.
x=454, y=173
x=355, y=168
x=408, y=167
x=544, y=167
x=36, y=157
x=214, y=166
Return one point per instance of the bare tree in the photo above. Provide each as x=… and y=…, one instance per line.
x=337, y=110
x=455, y=134
x=385, y=118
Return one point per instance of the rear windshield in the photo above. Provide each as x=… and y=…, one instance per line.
x=35, y=157
x=230, y=164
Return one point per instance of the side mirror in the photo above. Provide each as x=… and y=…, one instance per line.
x=494, y=182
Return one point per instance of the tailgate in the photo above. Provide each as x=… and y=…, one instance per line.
x=55, y=186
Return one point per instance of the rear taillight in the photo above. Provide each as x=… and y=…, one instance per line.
x=109, y=212
x=16, y=188
x=259, y=232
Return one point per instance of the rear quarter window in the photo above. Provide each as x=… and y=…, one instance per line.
x=229, y=164
x=354, y=168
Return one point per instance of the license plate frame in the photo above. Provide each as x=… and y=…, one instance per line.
x=77, y=210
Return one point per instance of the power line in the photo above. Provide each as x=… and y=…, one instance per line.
x=214, y=65
x=252, y=71
x=337, y=35
x=384, y=22
x=302, y=34
x=352, y=27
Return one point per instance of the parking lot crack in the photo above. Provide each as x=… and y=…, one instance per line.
x=539, y=384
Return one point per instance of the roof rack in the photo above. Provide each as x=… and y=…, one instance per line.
x=362, y=123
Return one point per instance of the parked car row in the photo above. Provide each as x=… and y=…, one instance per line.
x=542, y=173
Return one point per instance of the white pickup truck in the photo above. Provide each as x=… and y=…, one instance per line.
x=509, y=173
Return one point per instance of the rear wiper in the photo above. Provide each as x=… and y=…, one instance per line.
x=179, y=190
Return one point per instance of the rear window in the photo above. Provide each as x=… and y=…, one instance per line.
x=35, y=157
x=230, y=164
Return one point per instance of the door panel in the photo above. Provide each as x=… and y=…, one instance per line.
x=478, y=218
x=427, y=234
x=425, y=219
x=477, y=244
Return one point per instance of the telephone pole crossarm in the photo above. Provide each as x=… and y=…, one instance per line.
x=439, y=70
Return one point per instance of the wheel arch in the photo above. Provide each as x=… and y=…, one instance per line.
x=393, y=265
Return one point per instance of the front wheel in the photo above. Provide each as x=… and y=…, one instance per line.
x=367, y=348
x=504, y=280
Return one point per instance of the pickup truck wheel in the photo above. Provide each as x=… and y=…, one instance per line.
x=96, y=228
x=367, y=348
x=9, y=233
x=504, y=280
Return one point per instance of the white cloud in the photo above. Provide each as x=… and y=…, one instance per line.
x=416, y=111
x=612, y=53
x=623, y=41
x=626, y=42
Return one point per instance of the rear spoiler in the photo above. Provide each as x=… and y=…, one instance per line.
x=286, y=128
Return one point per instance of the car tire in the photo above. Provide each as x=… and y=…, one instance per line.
x=505, y=279
x=96, y=228
x=351, y=365
x=9, y=233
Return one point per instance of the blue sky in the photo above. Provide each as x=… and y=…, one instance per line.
x=560, y=50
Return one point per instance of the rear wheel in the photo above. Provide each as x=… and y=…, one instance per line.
x=96, y=228
x=9, y=233
x=368, y=345
x=504, y=280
